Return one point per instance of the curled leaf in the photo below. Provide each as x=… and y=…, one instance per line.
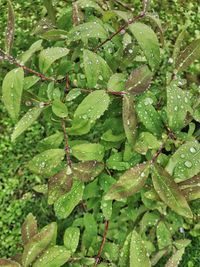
x=10, y=31
x=29, y=228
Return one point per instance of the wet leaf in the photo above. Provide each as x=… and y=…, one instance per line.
x=90, y=229
x=156, y=256
x=52, y=141
x=30, y=81
x=79, y=126
x=177, y=45
x=148, y=41
x=88, y=151
x=95, y=67
x=129, y=119
x=115, y=162
x=185, y=162
x=129, y=183
x=66, y=203
x=71, y=238
x=87, y=30
x=46, y=161
x=43, y=188
x=139, y=80
x=8, y=263
x=89, y=3
x=106, y=207
x=93, y=106
x=49, y=55
x=189, y=183
x=146, y=141
x=54, y=256
x=78, y=16
x=181, y=243
x=117, y=82
x=124, y=259
x=175, y=259
x=138, y=253
x=3, y=56
x=145, y=5
x=54, y=35
x=191, y=52
x=169, y=192
x=59, y=184
x=37, y=245
x=163, y=235
x=10, y=31
x=191, y=193
x=29, y=228
x=59, y=109
x=26, y=121
x=86, y=171
x=12, y=88
x=43, y=26
x=27, y=54
x=110, y=137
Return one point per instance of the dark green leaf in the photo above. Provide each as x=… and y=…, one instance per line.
x=46, y=161
x=110, y=137
x=37, y=245
x=71, y=238
x=169, y=192
x=88, y=151
x=12, y=88
x=66, y=203
x=116, y=162
x=10, y=31
x=50, y=10
x=89, y=3
x=54, y=256
x=26, y=121
x=130, y=182
x=90, y=229
x=79, y=126
x=148, y=41
x=52, y=141
x=191, y=52
x=124, y=259
x=139, y=80
x=8, y=263
x=106, y=207
x=177, y=45
x=29, y=228
x=59, y=184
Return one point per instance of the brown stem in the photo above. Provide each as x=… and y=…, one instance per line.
x=159, y=151
x=114, y=34
x=124, y=5
x=66, y=144
x=84, y=207
x=172, y=77
x=66, y=88
x=102, y=244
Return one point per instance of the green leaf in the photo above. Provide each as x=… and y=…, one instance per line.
x=71, y=238
x=49, y=55
x=169, y=192
x=10, y=30
x=54, y=35
x=129, y=183
x=148, y=41
x=138, y=253
x=106, y=207
x=124, y=259
x=86, y=171
x=79, y=126
x=59, y=184
x=3, y=56
x=89, y=3
x=117, y=82
x=175, y=259
x=139, y=80
x=156, y=256
x=90, y=232
x=146, y=141
x=110, y=137
x=110, y=251
x=54, y=256
x=191, y=193
x=189, y=183
x=12, y=88
x=42, y=26
x=95, y=67
x=129, y=119
x=8, y=263
x=30, y=81
x=163, y=235
x=116, y=162
x=50, y=10
x=177, y=106
x=52, y=141
x=78, y=16
x=41, y=188
x=177, y=45
x=26, y=121
x=88, y=151
x=191, y=52
x=185, y=162
x=181, y=243
x=37, y=245
x=93, y=106
x=149, y=116
x=59, y=109
x=27, y=54
x=29, y=228
x=87, y=30
x=46, y=161
x=66, y=203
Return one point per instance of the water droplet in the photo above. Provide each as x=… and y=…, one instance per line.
x=192, y=149
x=188, y=164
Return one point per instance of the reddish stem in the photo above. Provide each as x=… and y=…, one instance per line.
x=102, y=244
x=114, y=34
x=66, y=143
x=172, y=77
x=158, y=152
x=84, y=207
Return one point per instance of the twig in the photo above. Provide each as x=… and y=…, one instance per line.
x=124, y=5
x=66, y=143
x=84, y=207
x=102, y=244
x=114, y=34
x=159, y=151
x=172, y=77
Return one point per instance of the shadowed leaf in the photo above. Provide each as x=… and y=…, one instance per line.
x=129, y=183
x=124, y=259
x=189, y=183
x=177, y=45
x=139, y=80
x=169, y=192
x=156, y=256
x=10, y=31
x=78, y=16
x=52, y=141
x=86, y=152
x=87, y=171
x=50, y=10
x=37, y=245
x=175, y=259
x=191, y=52
x=8, y=263
x=145, y=5
x=17, y=257
x=27, y=54
x=129, y=119
x=89, y=3
x=59, y=184
x=29, y=228
x=3, y=56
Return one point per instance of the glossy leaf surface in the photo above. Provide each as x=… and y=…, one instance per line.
x=71, y=238
x=129, y=183
x=59, y=109
x=85, y=152
x=29, y=228
x=12, y=91
x=10, y=31
x=169, y=192
x=163, y=235
x=139, y=80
